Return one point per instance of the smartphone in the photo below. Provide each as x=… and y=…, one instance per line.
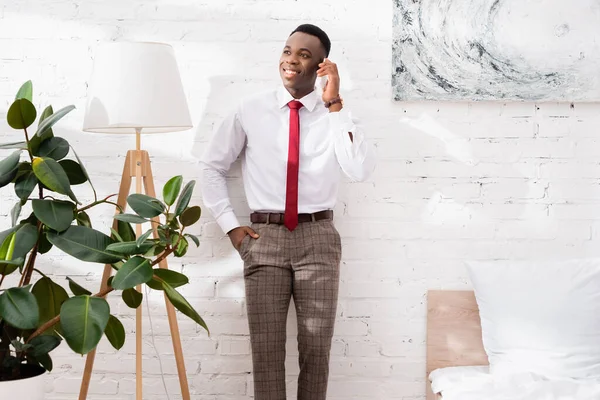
x=321, y=82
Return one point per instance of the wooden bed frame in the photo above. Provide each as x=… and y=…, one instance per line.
x=453, y=332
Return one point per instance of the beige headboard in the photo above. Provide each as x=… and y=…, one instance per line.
x=453, y=332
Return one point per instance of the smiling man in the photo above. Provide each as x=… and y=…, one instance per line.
x=295, y=144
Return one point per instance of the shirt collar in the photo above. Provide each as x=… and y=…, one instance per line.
x=309, y=101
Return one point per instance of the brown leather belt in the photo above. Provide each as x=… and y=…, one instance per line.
x=277, y=218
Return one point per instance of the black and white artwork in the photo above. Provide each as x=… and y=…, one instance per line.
x=535, y=50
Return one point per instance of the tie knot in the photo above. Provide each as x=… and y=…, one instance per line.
x=295, y=105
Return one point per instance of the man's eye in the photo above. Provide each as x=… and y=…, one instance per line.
x=305, y=56
x=286, y=52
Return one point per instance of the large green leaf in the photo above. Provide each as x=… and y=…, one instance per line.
x=87, y=176
x=56, y=148
x=145, y=206
x=130, y=248
x=74, y=172
x=6, y=233
x=190, y=216
x=53, y=119
x=9, y=168
x=26, y=237
x=55, y=214
x=44, y=245
x=15, y=212
x=7, y=267
x=85, y=244
x=135, y=271
x=43, y=344
x=171, y=189
x=36, y=140
x=132, y=218
x=8, y=261
x=25, y=184
x=194, y=239
x=25, y=92
x=115, y=235
x=31, y=219
x=50, y=297
x=173, y=278
x=83, y=320
x=181, y=246
x=19, y=308
x=45, y=360
x=182, y=305
x=125, y=231
x=132, y=297
x=139, y=241
x=48, y=111
x=184, y=198
x=83, y=219
x=77, y=289
x=173, y=222
x=51, y=174
x=21, y=114
x=7, y=247
x=115, y=332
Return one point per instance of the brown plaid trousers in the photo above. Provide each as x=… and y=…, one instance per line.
x=303, y=263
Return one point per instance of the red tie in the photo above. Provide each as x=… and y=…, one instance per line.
x=290, y=217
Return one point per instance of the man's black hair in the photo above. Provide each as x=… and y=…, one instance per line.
x=315, y=31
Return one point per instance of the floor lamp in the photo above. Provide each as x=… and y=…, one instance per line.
x=136, y=88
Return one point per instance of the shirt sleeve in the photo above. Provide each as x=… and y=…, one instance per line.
x=222, y=150
x=356, y=156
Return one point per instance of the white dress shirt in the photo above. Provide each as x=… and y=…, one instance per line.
x=258, y=130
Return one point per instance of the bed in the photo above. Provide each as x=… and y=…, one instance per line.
x=461, y=371
x=453, y=332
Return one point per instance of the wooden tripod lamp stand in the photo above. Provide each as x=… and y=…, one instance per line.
x=136, y=89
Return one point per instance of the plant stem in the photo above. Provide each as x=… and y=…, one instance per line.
x=115, y=204
x=28, y=271
x=27, y=140
x=2, y=280
x=164, y=255
x=40, y=272
x=95, y=203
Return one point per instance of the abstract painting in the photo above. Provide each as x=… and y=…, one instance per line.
x=522, y=50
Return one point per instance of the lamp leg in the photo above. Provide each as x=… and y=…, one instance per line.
x=137, y=163
x=124, y=188
x=173, y=325
x=138, y=311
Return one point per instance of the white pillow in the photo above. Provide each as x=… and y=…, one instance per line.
x=540, y=316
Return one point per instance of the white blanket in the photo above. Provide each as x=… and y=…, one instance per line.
x=476, y=383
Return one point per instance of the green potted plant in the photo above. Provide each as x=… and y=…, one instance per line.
x=36, y=313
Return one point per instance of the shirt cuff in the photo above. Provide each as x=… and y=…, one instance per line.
x=228, y=221
x=341, y=120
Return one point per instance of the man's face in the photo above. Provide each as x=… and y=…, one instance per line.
x=299, y=62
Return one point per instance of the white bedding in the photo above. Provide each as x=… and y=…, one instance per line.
x=476, y=383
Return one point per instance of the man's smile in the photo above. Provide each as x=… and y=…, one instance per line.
x=290, y=73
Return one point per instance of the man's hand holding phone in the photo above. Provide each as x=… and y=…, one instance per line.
x=331, y=91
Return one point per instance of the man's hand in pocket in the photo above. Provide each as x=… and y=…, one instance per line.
x=236, y=235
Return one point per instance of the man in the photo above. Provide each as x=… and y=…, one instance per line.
x=294, y=145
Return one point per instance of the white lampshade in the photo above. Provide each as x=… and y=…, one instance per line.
x=136, y=85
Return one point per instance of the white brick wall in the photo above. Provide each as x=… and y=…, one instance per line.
x=455, y=181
